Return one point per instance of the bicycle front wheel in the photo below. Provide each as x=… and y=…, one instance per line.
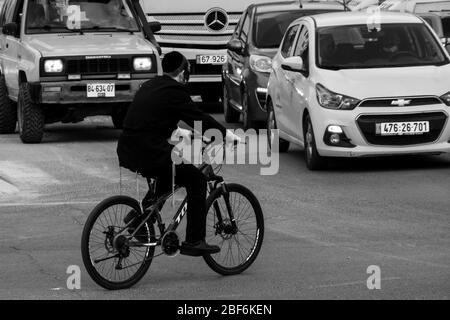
x=109, y=256
x=239, y=246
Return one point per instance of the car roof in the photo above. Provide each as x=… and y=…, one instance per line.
x=295, y=5
x=362, y=17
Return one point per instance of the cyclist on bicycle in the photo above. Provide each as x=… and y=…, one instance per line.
x=159, y=105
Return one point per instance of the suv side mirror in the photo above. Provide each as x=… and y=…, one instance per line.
x=155, y=26
x=11, y=29
x=235, y=45
x=294, y=64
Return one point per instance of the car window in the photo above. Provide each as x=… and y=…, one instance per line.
x=393, y=45
x=245, y=28
x=302, y=42
x=239, y=25
x=9, y=12
x=288, y=41
x=3, y=12
x=46, y=16
x=271, y=26
x=446, y=27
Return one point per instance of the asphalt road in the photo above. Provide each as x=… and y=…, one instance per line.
x=323, y=229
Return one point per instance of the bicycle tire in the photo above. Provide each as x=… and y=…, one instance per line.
x=87, y=259
x=246, y=193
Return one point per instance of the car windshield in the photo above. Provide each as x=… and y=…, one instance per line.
x=391, y=45
x=270, y=26
x=44, y=16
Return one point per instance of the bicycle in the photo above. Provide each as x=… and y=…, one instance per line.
x=131, y=254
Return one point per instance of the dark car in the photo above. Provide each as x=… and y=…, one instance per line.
x=250, y=51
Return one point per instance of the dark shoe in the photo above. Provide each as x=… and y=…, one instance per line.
x=198, y=248
x=141, y=234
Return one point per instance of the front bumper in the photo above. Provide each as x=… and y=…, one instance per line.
x=256, y=83
x=361, y=145
x=74, y=92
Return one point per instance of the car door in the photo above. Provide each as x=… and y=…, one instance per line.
x=282, y=89
x=299, y=85
x=238, y=62
x=10, y=48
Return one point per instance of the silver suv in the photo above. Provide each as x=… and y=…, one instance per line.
x=64, y=60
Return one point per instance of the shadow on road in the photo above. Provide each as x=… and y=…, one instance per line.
x=388, y=163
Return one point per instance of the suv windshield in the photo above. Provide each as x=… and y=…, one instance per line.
x=44, y=16
x=392, y=45
x=270, y=26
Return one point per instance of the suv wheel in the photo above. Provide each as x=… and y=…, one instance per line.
x=8, y=112
x=247, y=121
x=283, y=145
x=231, y=115
x=30, y=117
x=118, y=116
x=314, y=161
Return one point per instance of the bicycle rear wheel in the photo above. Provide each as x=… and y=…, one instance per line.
x=109, y=258
x=239, y=248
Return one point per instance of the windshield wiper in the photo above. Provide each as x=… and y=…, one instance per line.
x=110, y=28
x=48, y=27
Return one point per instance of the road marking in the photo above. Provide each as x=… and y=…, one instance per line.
x=25, y=174
x=7, y=188
x=47, y=204
x=352, y=283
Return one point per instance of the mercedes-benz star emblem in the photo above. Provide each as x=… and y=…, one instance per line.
x=216, y=19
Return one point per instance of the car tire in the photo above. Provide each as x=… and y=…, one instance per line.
x=8, y=110
x=231, y=115
x=283, y=145
x=31, y=118
x=247, y=121
x=118, y=116
x=314, y=161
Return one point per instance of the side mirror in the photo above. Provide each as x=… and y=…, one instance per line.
x=294, y=64
x=155, y=26
x=235, y=45
x=11, y=29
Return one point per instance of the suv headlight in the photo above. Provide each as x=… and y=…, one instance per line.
x=142, y=64
x=446, y=98
x=53, y=66
x=331, y=100
x=260, y=63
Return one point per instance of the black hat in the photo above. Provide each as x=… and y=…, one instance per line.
x=173, y=61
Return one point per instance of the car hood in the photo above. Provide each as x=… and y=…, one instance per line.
x=387, y=82
x=90, y=44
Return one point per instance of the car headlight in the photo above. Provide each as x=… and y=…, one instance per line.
x=331, y=100
x=142, y=64
x=53, y=66
x=261, y=63
x=446, y=98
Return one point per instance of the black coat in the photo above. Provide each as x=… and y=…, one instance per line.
x=160, y=104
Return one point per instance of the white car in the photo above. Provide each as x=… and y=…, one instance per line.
x=353, y=84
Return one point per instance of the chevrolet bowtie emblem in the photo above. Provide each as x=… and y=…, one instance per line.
x=400, y=102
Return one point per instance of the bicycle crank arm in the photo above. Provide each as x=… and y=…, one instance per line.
x=107, y=258
x=140, y=244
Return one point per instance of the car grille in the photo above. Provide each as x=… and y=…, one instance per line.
x=367, y=125
x=189, y=31
x=98, y=66
x=393, y=102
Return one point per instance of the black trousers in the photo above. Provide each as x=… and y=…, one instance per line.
x=189, y=177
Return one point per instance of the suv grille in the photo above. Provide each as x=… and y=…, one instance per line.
x=98, y=66
x=205, y=69
x=189, y=30
x=367, y=125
